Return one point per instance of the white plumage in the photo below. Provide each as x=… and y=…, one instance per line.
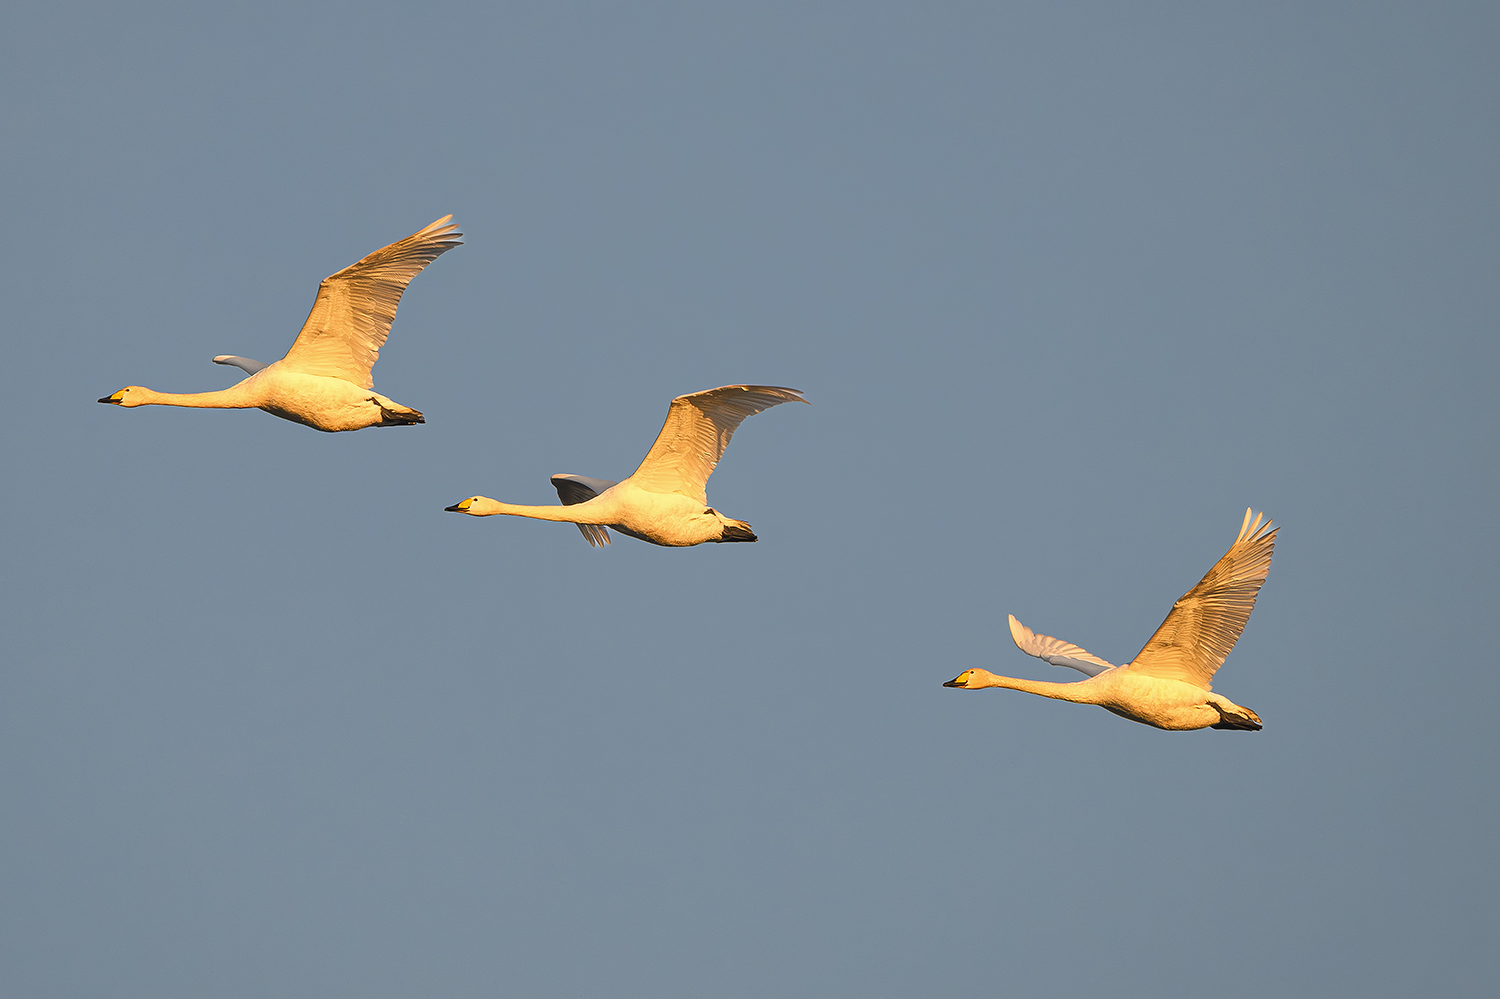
x=1169, y=684
x=664, y=501
x=324, y=379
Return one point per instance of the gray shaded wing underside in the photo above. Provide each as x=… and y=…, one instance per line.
x=1056, y=651
x=243, y=363
x=573, y=489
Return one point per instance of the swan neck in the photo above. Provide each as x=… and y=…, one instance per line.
x=1081, y=692
x=234, y=397
x=565, y=514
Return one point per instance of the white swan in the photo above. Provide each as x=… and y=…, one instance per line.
x=324, y=380
x=1167, y=685
x=664, y=501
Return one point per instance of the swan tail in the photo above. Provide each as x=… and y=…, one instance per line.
x=737, y=530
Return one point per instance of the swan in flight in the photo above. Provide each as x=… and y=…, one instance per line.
x=324, y=380
x=664, y=501
x=1168, y=683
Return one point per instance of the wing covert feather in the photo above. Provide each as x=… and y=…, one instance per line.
x=352, y=315
x=698, y=429
x=1203, y=626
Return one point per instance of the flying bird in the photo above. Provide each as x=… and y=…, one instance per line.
x=1168, y=683
x=324, y=380
x=664, y=501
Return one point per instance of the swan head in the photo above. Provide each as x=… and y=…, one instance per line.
x=971, y=679
x=474, y=506
x=130, y=396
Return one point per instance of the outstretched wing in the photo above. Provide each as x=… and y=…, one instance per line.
x=243, y=363
x=1204, y=625
x=1055, y=650
x=352, y=314
x=697, y=431
x=580, y=489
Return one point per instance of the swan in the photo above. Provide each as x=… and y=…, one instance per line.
x=324, y=381
x=663, y=501
x=1167, y=685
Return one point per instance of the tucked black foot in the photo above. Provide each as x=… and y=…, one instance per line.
x=393, y=419
x=1238, y=724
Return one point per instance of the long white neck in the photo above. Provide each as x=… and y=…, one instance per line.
x=237, y=396
x=578, y=513
x=1082, y=692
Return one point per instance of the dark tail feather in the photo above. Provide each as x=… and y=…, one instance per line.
x=1247, y=722
x=391, y=418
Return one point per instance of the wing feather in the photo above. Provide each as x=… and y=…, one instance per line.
x=1193, y=641
x=573, y=489
x=245, y=364
x=1055, y=650
x=352, y=315
x=697, y=431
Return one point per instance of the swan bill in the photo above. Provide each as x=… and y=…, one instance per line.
x=962, y=680
x=115, y=399
x=460, y=507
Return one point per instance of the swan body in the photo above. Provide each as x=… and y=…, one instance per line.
x=1168, y=704
x=664, y=501
x=324, y=380
x=1168, y=685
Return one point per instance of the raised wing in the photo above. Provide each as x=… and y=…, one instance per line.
x=1204, y=625
x=580, y=489
x=352, y=314
x=244, y=363
x=697, y=431
x=1055, y=650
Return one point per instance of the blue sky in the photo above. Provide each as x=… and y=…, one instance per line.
x=1068, y=286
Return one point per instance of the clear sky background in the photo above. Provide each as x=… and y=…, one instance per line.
x=1069, y=286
